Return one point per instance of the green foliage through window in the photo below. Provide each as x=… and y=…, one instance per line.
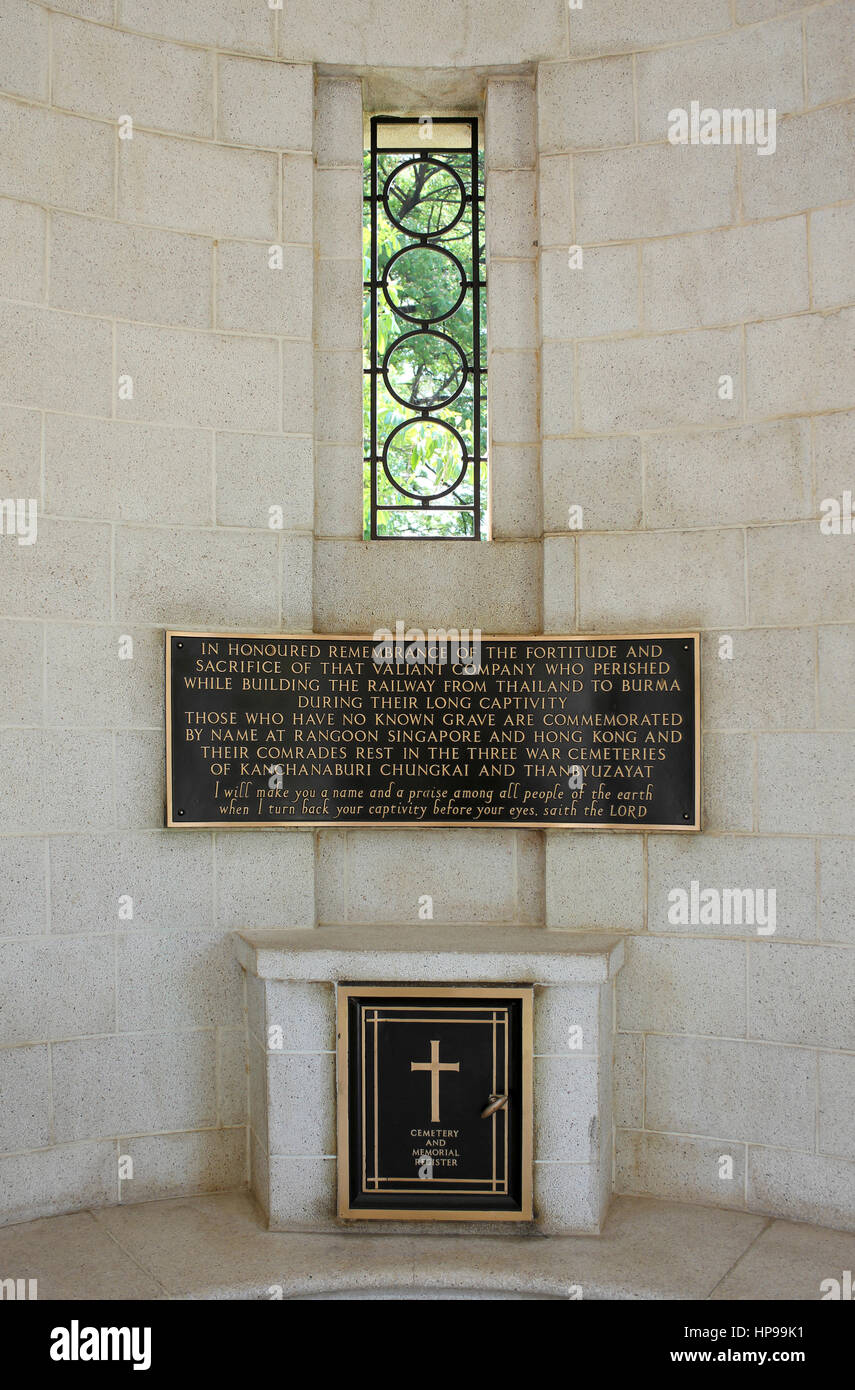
x=425, y=392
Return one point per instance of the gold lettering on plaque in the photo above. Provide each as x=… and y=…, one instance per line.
x=434, y=1066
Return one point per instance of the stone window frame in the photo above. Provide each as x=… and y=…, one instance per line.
x=506, y=105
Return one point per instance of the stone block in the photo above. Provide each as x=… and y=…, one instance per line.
x=727, y=477
x=837, y=884
x=235, y=24
x=88, y=684
x=168, y=878
x=654, y=190
x=61, y=161
x=57, y=989
x=22, y=243
x=658, y=382
x=681, y=1169
x=134, y=1084
x=338, y=123
x=768, y=682
x=801, y=363
x=634, y=24
x=511, y=214
x=25, y=1118
x=22, y=663
x=594, y=881
x=265, y=880
x=196, y=186
x=686, y=579
x=812, y=165
x=175, y=980
x=301, y=1104
x=828, y=53
x=102, y=72
x=832, y=252
x=801, y=994
x=265, y=104
x=220, y=381
x=602, y=476
x=727, y=781
x=48, y=1182
x=208, y=579
x=735, y=1091
x=253, y=298
x=726, y=276
x=757, y=68
x=598, y=297
x=171, y=1165
x=58, y=779
x=803, y=783
x=683, y=987
x=802, y=1186
x=738, y=862
x=256, y=472
x=23, y=886
x=54, y=360
x=25, y=59
x=511, y=121
x=798, y=575
x=127, y=470
x=583, y=105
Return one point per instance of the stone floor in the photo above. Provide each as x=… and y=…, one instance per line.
x=217, y=1247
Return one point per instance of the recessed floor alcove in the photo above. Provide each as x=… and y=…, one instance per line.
x=216, y=1247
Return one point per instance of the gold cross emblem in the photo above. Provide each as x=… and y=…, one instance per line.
x=434, y=1066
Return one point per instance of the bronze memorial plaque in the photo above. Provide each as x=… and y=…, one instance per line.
x=435, y=1102
x=558, y=732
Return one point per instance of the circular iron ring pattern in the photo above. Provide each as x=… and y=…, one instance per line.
x=420, y=422
x=419, y=231
x=422, y=248
x=437, y=403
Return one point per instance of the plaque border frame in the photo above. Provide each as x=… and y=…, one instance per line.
x=632, y=827
x=344, y=993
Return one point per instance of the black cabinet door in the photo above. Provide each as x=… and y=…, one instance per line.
x=435, y=1102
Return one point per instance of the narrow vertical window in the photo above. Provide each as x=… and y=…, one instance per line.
x=425, y=397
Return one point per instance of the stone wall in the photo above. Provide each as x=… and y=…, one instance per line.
x=145, y=257
x=149, y=258
x=701, y=262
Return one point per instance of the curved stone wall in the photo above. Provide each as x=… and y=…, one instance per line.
x=162, y=386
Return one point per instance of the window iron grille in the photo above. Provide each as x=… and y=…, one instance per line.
x=425, y=332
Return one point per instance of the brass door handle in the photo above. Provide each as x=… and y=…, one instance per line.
x=495, y=1103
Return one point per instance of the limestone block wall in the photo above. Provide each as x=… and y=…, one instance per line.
x=703, y=509
x=145, y=258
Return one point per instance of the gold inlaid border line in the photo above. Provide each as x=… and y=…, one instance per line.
x=379, y=1178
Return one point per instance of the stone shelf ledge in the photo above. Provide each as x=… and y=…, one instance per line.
x=291, y=980
x=433, y=954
